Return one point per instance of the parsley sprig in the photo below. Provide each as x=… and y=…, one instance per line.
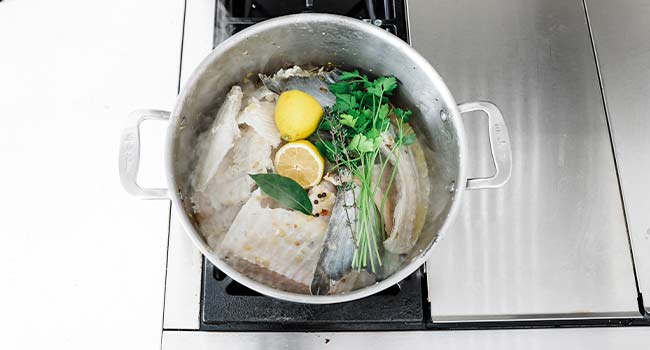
x=350, y=136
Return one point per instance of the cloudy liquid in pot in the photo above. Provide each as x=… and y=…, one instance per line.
x=255, y=234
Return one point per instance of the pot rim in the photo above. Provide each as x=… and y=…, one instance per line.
x=196, y=237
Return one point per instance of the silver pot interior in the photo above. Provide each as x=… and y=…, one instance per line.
x=322, y=40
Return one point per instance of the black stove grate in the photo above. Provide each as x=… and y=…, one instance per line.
x=228, y=305
x=236, y=15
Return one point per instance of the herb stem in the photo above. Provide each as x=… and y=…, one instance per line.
x=358, y=123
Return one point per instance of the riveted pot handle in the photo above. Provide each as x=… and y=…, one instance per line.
x=499, y=144
x=129, y=163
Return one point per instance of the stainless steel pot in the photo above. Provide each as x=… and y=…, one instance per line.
x=317, y=40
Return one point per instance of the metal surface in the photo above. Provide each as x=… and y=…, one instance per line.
x=578, y=338
x=499, y=146
x=273, y=44
x=129, y=161
x=620, y=34
x=552, y=243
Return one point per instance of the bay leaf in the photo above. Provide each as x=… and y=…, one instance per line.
x=284, y=190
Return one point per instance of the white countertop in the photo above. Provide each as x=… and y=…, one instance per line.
x=512, y=339
x=82, y=263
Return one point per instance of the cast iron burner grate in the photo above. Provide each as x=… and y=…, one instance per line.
x=235, y=15
x=228, y=305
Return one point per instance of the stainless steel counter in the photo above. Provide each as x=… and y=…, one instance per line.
x=552, y=243
x=621, y=37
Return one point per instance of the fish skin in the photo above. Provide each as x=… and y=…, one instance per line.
x=226, y=193
x=335, y=263
x=277, y=242
x=382, y=184
x=411, y=205
x=338, y=249
x=316, y=84
x=353, y=280
x=259, y=115
x=218, y=203
x=220, y=138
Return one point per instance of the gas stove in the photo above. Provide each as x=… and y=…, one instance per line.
x=545, y=251
x=228, y=305
x=232, y=16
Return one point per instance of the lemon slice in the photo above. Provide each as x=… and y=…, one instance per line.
x=301, y=162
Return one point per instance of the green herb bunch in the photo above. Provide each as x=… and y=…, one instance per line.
x=350, y=136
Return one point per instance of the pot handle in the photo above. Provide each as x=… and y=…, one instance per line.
x=499, y=145
x=129, y=163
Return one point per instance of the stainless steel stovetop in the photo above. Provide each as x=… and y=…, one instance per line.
x=566, y=242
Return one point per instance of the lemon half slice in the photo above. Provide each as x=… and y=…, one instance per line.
x=301, y=162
